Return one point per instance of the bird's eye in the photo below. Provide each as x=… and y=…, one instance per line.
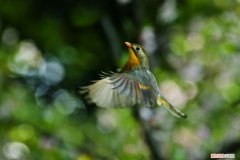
x=138, y=48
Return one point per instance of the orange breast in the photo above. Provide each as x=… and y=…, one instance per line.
x=132, y=62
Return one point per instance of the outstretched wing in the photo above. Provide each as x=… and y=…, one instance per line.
x=120, y=90
x=129, y=85
x=102, y=94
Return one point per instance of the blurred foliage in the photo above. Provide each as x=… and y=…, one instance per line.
x=50, y=48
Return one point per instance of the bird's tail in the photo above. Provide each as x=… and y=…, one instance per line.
x=162, y=102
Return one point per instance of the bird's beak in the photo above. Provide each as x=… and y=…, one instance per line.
x=129, y=45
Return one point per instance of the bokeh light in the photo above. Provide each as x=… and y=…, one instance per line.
x=49, y=50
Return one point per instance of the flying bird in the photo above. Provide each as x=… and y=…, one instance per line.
x=133, y=85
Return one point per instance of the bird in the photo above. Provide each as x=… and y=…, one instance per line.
x=133, y=85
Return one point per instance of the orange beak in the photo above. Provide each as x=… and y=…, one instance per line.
x=129, y=45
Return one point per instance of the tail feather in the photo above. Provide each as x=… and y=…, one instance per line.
x=162, y=102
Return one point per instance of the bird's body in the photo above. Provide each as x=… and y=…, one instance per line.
x=134, y=85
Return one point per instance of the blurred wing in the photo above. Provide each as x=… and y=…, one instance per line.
x=102, y=94
x=119, y=90
x=136, y=91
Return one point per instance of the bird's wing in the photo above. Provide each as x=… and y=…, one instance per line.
x=137, y=92
x=103, y=94
x=119, y=90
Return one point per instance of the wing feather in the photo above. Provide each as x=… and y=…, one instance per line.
x=137, y=92
x=102, y=94
x=123, y=89
x=120, y=90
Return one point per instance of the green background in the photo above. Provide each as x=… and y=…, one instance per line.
x=48, y=49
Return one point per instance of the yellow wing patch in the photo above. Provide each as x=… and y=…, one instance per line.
x=141, y=86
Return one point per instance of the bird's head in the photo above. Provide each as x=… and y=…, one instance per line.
x=137, y=56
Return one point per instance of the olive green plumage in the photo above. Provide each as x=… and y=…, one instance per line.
x=134, y=85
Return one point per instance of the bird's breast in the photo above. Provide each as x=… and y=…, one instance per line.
x=132, y=63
